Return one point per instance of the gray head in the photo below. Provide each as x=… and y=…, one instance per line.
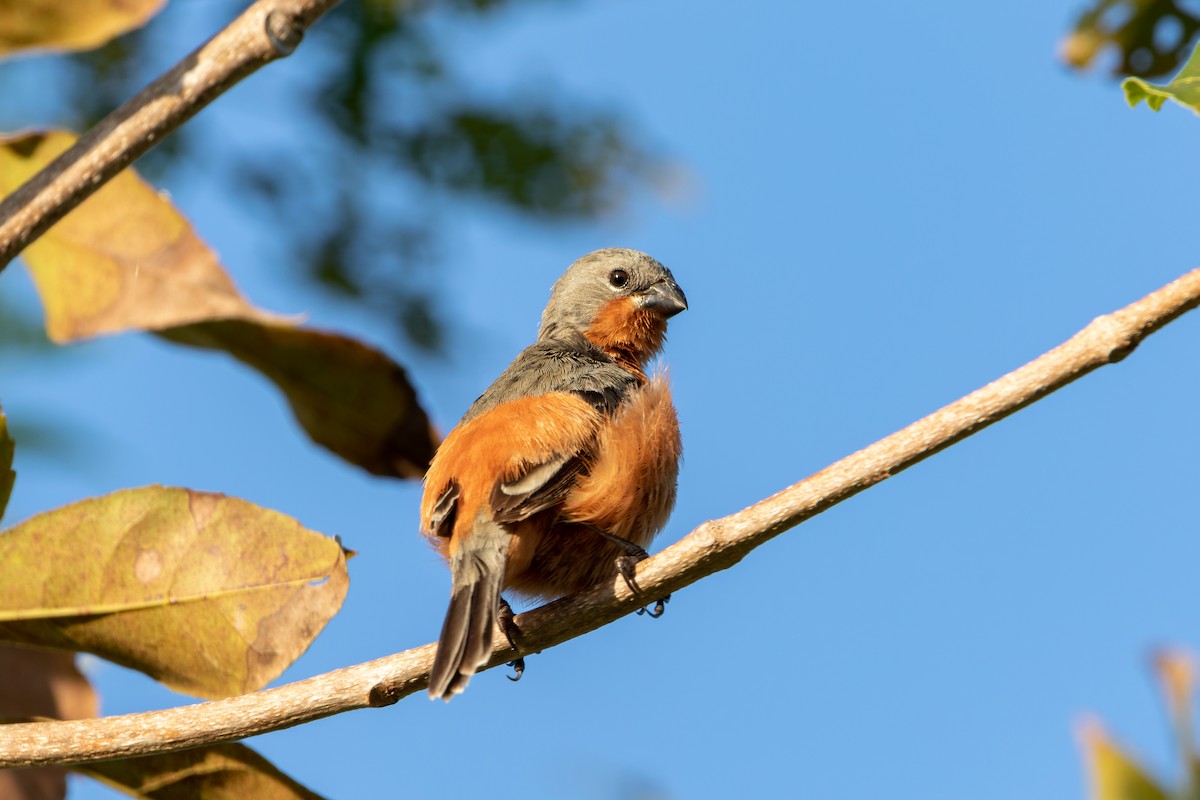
x=615, y=287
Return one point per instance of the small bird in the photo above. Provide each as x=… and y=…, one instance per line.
x=561, y=473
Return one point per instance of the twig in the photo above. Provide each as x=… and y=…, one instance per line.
x=267, y=30
x=713, y=546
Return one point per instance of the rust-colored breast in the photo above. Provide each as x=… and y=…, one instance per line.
x=627, y=333
x=629, y=492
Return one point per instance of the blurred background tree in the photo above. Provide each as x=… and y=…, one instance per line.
x=396, y=106
x=1148, y=38
x=390, y=109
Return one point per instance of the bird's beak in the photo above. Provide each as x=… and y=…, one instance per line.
x=664, y=297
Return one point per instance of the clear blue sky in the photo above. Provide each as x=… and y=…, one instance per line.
x=886, y=206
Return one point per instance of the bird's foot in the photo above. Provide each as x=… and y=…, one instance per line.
x=505, y=618
x=626, y=564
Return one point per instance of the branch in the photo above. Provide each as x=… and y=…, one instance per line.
x=267, y=30
x=713, y=546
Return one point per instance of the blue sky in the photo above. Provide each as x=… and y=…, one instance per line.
x=881, y=208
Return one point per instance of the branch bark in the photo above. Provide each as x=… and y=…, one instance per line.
x=713, y=546
x=267, y=30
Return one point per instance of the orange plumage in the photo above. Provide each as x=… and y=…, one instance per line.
x=566, y=462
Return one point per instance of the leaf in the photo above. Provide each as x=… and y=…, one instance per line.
x=209, y=594
x=41, y=683
x=221, y=772
x=7, y=475
x=348, y=397
x=1176, y=673
x=1184, y=88
x=126, y=259
x=1115, y=776
x=69, y=24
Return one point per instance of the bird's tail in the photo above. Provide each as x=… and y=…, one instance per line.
x=476, y=570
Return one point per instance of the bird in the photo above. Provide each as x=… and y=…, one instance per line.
x=565, y=468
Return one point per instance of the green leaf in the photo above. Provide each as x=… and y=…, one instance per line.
x=209, y=594
x=7, y=476
x=1184, y=88
x=221, y=772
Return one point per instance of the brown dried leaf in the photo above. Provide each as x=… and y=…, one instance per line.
x=7, y=476
x=126, y=259
x=209, y=594
x=222, y=772
x=350, y=398
x=40, y=683
x=38, y=783
x=69, y=24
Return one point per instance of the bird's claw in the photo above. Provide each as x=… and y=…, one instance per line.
x=660, y=608
x=504, y=616
x=627, y=568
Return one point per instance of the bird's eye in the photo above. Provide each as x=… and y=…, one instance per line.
x=618, y=278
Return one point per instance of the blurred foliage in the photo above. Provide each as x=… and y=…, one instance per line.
x=384, y=109
x=68, y=24
x=1151, y=37
x=1114, y=774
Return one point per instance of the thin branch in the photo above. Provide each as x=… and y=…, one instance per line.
x=267, y=30
x=711, y=547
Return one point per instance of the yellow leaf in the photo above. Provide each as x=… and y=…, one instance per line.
x=41, y=683
x=1114, y=775
x=126, y=259
x=209, y=594
x=221, y=772
x=69, y=24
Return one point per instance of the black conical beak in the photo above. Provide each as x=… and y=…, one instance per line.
x=664, y=297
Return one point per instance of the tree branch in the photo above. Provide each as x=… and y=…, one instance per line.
x=267, y=30
x=711, y=547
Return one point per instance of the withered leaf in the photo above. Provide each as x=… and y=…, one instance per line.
x=69, y=24
x=221, y=772
x=209, y=594
x=41, y=683
x=350, y=398
x=125, y=259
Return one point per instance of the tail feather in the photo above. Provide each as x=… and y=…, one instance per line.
x=465, y=644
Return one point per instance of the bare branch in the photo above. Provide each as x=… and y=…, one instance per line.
x=713, y=546
x=267, y=30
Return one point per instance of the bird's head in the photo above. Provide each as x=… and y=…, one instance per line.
x=618, y=299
